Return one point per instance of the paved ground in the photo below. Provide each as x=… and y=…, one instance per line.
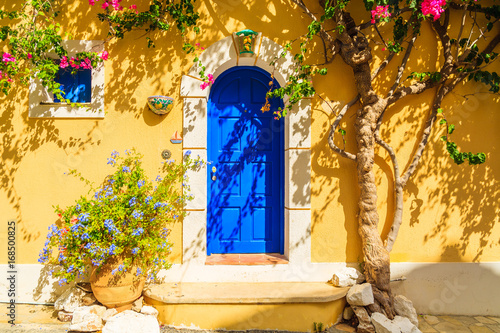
x=44, y=319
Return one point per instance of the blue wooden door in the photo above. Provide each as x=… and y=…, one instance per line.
x=245, y=179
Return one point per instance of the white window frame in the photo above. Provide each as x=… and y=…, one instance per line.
x=41, y=102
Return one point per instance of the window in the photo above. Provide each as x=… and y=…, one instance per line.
x=86, y=87
x=76, y=87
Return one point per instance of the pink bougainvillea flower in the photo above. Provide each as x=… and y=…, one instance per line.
x=204, y=85
x=433, y=7
x=105, y=5
x=134, y=7
x=7, y=57
x=116, y=4
x=380, y=12
x=86, y=64
x=30, y=56
x=383, y=49
x=104, y=55
x=207, y=84
x=64, y=62
x=91, y=2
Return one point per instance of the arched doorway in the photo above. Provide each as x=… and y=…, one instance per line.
x=245, y=182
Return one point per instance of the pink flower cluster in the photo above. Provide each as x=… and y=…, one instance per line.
x=7, y=57
x=77, y=63
x=380, y=12
x=199, y=47
x=113, y=3
x=433, y=7
x=2, y=74
x=207, y=84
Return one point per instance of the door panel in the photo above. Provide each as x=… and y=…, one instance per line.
x=245, y=145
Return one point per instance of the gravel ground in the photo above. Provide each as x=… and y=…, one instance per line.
x=63, y=328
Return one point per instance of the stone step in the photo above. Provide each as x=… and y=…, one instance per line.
x=291, y=306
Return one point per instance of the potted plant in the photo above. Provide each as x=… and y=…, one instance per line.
x=119, y=233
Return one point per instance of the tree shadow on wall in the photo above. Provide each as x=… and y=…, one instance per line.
x=22, y=136
x=464, y=191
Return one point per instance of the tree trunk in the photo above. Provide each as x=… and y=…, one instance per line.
x=356, y=52
x=377, y=260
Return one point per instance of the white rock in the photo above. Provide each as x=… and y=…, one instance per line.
x=397, y=325
x=383, y=324
x=404, y=307
x=149, y=310
x=65, y=316
x=108, y=314
x=365, y=325
x=91, y=322
x=131, y=322
x=70, y=300
x=137, y=305
x=405, y=325
x=348, y=313
x=89, y=299
x=346, y=277
x=81, y=313
x=360, y=294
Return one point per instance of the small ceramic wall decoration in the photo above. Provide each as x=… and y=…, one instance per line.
x=160, y=104
x=176, y=138
x=246, y=43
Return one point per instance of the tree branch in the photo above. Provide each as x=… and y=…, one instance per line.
x=402, y=67
x=335, y=124
x=398, y=186
x=460, y=31
x=383, y=65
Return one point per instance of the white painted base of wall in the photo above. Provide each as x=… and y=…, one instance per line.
x=434, y=288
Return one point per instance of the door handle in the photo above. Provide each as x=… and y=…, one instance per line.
x=214, y=177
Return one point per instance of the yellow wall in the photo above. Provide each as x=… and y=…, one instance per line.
x=450, y=211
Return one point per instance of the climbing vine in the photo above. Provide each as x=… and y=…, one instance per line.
x=34, y=37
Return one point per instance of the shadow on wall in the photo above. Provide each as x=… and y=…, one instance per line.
x=21, y=136
x=463, y=196
x=333, y=182
x=469, y=194
x=142, y=76
x=450, y=288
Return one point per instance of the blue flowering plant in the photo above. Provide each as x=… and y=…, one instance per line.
x=127, y=216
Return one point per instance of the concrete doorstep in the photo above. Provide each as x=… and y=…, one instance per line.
x=43, y=318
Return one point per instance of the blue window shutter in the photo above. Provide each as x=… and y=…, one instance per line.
x=77, y=87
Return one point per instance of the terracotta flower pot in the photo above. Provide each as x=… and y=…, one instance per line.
x=116, y=291
x=160, y=104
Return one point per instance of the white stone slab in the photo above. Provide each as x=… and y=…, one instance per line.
x=195, y=123
x=197, y=181
x=299, y=246
x=191, y=87
x=194, y=238
x=298, y=178
x=298, y=134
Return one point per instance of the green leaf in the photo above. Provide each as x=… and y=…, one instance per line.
x=451, y=128
x=442, y=122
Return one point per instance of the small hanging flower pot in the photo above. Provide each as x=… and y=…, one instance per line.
x=246, y=41
x=160, y=104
